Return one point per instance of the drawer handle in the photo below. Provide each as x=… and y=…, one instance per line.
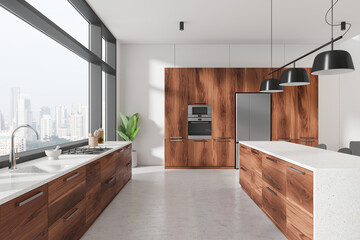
x=295, y=170
x=175, y=137
x=176, y=140
x=200, y=140
x=271, y=159
x=307, y=137
x=272, y=192
x=201, y=103
x=223, y=140
x=223, y=137
x=255, y=152
x=29, y=199
x=110, y=180
x=71, y=215
x=243, y=169
x=307, y=140
x=243, y=147
x=283, y=137
x=71, y=177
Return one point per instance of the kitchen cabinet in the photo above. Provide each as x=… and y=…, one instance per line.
x=108, y=178
x=176, y=101
x=274, y=173
x=200, y=86
x=223, y=107
x=65, y=192
x=248, y=79
x=25, y=217
x=200, y=153
x=123, y=172
x=93, y=192
x=176, y=153
x=224, y=152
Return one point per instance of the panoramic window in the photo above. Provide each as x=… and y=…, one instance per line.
x=63, y=14
x=42, y=84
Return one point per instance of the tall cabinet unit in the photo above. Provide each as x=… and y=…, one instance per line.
x=176, y=103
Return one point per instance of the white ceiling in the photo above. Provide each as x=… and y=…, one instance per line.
x=224, y=21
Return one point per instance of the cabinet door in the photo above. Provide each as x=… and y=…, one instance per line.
x=200, y=153
x=224, y=152
x=200, y=86
x=176, y=153
x=223, y=107
x=93, y=192
x=249, y=79
x=25, y=217
x=176, y=97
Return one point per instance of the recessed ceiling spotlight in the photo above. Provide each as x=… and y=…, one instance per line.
x=181, y=26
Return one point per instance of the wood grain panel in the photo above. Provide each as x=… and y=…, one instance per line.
x=28, y=221
x=256, y=182
x=299, y=223
x=71, y=225
x=224, y=152
x=274, y=173
x=93, y=192
x=223, y=107
x=200, y=88
x=245, y=176
x=176, y=153
x=108, y=190
x=249, y=79
x=108, y=165
x=200, y=153
x=176, y=100
x=299, y=187
x=274, y=204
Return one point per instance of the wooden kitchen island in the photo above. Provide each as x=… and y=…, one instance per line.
x=308, y=193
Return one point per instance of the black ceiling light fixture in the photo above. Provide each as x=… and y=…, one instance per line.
x=271, y=85
x=333, y=61
x=181, y=26
x=294, y=77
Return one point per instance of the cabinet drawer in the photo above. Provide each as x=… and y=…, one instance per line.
x=299, y=187
x=257, y=189
x=108, y=190
x=25, y=217
x=71, y=225
x=65, y=193
x=274, y=173
x=251, y=159
x=299, y=223
x=108, y=165
x=93, y=192
x=274, y=205
x=245, y=179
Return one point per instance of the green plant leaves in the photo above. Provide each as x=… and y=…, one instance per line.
x=128, y=128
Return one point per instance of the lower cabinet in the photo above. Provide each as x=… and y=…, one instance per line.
x=200, y=153
x=224, y=152
x=176, y=153
x=25, y=217
x=67, y=206
x=284, y=191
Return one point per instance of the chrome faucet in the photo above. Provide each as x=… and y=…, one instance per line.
x=12, y=157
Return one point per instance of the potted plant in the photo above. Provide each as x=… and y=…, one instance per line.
x=128, y=131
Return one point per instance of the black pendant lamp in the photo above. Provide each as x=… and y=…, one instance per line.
x=271, y=85
x=294, y=77
x=334, y=61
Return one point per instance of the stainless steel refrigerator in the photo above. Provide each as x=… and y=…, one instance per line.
x=253, y=118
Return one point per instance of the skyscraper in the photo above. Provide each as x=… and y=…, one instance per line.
x=14, y=103
x=46, y=127
x=2, y=122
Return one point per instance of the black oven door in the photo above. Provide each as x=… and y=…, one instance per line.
x=199, y=129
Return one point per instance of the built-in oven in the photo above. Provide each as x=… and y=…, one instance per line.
x=199, y=122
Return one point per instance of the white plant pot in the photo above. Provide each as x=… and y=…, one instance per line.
x=134, y=158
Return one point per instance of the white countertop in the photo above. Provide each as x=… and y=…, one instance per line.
x=310, y=158
x=14, y=184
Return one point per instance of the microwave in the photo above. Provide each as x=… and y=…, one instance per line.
x=199, y=111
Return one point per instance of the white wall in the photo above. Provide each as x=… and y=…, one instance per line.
x=141, y=80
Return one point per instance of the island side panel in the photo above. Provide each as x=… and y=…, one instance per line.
x=337, y=204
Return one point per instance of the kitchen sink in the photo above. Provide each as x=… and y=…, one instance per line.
x=50, y=168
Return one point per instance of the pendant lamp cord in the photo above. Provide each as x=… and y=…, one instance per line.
x=271, y=36
x=332, y=21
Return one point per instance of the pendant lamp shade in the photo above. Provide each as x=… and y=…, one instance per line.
x=332, y=62
x=294, y=77
x=271, y=85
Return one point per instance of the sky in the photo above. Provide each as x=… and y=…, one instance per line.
x=45, y=71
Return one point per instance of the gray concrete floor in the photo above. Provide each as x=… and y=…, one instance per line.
x=182, y=204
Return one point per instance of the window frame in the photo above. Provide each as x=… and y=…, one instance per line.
x=29, y=14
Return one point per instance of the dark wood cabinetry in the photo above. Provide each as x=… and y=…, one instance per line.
x=294, y=116
x=224, y=152
x=67, y=206
x=25, y=217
